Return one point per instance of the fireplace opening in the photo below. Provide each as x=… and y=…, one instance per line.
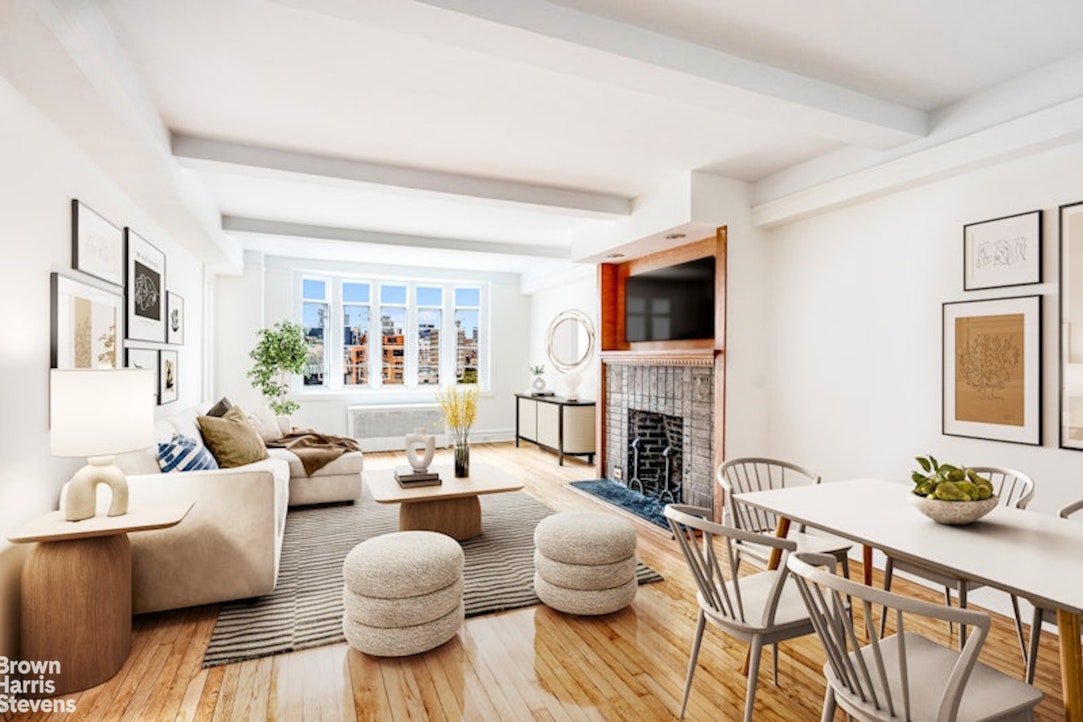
x=654, y=455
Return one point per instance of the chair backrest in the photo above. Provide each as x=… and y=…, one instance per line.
x=721, y=587
x=1067, y=511
x=750, y=473
x=876, y=678
x=1013, y=488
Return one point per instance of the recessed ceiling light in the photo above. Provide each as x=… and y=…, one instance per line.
x=674, y=236
x=615, y=255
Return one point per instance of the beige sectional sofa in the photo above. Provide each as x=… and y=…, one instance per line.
x=229, y=544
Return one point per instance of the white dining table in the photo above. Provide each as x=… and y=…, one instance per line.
x=1032, y=555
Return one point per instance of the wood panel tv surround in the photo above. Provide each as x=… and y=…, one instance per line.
x=616, y=351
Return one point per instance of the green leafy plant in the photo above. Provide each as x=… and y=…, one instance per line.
x=948, y=482
x=537, y=370
x=280, y=352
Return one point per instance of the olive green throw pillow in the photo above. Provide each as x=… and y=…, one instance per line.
x=232, y=438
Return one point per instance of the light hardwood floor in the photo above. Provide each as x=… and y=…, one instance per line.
x=523, y=664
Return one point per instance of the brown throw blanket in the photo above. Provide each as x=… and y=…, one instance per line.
x=315, y=450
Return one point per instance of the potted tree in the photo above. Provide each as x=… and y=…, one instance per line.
x=280, y=352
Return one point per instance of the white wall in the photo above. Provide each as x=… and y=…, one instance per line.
x=41, y=172
x=575, y=288
x=855, y=331
x=264, y=294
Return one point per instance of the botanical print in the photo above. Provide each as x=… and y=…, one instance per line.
x=86, y=323
x=167, y=377
x=146, y=292
x=989, y=369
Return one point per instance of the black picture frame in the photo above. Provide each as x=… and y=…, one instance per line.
x=174, y=323
x=144, y=289
x=1003, y=252
x=97, y=246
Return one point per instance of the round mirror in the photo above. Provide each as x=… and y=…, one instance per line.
x=570, y=340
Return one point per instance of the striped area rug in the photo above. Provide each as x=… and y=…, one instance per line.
x=305, y=609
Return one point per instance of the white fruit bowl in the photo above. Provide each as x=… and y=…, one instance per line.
x=955, y=513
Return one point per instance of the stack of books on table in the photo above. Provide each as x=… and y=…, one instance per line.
x=407, y=477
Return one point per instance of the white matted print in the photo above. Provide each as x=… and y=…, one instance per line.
x=168, y=378
x=97, y=246
x=1003, y=252
x=145, y=289
x=144, y=358
x=992, y=362
x=174, y=329
x=86, y=325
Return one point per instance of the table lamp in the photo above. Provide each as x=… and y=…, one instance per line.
x=97, y=413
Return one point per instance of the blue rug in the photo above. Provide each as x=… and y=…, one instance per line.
x=630, y=500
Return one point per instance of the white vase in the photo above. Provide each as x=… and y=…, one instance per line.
x=420, y=448
x=538, y=384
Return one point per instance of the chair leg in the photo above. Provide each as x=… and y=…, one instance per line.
x=1035, y=639
x=774, y=663
x=696, y=640
x=962, y=605
x=828, y=713
x=889, y=569
x=1019, y=629
x=753, y=675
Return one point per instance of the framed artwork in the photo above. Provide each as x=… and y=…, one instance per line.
x=167, y=377
x=1003, y=252
x=174, y=328
x=97, y=246
x=992, y=369
x=1071, y=326
x=144, y=289
x=86, y=325
x=144, y=358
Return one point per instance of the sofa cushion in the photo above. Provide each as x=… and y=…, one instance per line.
x=219, y=409
x=349, y=463
x=232, y=439
x=182, y=453
x=266, y=424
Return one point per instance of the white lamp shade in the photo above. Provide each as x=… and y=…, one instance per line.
x=100, y=412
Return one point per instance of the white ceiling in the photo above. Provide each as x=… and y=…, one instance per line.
x=492, y=134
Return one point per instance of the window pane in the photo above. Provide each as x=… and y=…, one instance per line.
x=466, y=344
x=355, y=346
x=311, y=288
x=355, y=292
x=393, y=294
x=392, y=342
x=427, y=296
x=468, y=297
x=314, y=320
x=428, y=346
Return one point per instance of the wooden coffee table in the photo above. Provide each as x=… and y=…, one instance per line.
x=451, y=508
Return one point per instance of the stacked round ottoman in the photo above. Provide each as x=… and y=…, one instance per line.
x=403, y=593
x=585, y=562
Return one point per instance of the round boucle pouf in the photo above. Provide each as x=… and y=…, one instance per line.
x=403, y=593
x=585, y=562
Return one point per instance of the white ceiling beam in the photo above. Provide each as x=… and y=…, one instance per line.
x=195, y=151
x=1041, y=130
x=263, y=227
x=565, y=40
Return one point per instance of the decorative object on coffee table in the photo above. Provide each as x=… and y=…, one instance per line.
x=121, y=403
x=459, y=406
x=420, y=447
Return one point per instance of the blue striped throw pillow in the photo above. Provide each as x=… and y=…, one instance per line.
x=184, y=454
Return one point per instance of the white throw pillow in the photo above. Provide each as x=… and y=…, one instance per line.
x=266, y=424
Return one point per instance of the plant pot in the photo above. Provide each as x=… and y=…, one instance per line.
x=955, y=513
x=538, y=384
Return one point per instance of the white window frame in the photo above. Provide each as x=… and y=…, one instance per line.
x=334, y=337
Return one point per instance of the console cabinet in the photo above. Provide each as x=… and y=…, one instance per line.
x=553, y=422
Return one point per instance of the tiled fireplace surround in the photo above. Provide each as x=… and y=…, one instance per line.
x=673, y=389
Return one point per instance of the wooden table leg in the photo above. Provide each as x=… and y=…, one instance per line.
x=781, y=530
x=866, y=562
x=1071, y=663
x=458, y=517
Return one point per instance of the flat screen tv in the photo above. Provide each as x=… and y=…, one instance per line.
x=671, y=303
